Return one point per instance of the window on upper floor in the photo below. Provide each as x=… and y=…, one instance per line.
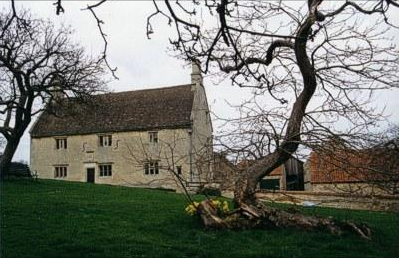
x=105, y=140
x=61, y=143
x=60, y=171
x=178, y=170
x=105, y=169
x=151, y=168
x=153, y=137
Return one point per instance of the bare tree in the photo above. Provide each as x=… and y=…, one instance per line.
x=39, y=64
x=319, y=64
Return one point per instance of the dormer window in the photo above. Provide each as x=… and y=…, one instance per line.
x=61, y=143
x=105, y=140
x=153, y=136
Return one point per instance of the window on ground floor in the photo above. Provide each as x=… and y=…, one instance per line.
x=151, y=168
x=60, y=171
x=105, y=170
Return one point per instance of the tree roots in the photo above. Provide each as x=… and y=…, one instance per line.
x=258, y=215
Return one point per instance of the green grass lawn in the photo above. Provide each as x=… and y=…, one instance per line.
x=57, y=219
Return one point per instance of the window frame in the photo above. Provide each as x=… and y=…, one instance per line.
x=105, y=170
x=61, y=143
x=179, y=170
x=60, y=171
x=153, y=137
x=105, y=140
x=151, y=168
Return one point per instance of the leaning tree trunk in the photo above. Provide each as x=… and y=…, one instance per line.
x=250, y=212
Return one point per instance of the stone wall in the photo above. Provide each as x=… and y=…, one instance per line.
x=334, y=200
x=224, y=172
x=201, y=141
x=128, y=152
x=350, y=188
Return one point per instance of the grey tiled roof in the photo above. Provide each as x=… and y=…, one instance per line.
x=159, y=108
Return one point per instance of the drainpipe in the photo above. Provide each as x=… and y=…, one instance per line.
x=190, y=135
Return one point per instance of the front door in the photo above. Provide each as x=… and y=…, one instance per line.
x=90, y=175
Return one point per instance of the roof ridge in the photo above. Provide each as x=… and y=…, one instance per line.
x=150, y=89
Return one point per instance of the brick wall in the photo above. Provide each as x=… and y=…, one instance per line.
x=346, y=166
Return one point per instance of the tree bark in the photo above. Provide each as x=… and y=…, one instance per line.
x=7, y=156
x=22, y=122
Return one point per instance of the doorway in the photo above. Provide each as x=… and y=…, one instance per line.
x=90, y=175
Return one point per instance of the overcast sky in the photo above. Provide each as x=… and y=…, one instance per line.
x=142, y=63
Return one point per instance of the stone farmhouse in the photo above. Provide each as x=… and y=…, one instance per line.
x=159, y=138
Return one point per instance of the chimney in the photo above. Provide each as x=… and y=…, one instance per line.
x=56, y=89
x=196, y=76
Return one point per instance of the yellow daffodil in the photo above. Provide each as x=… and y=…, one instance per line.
x=225, y=207
x=222, y=207
x=216, y=203
x=191, y=209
